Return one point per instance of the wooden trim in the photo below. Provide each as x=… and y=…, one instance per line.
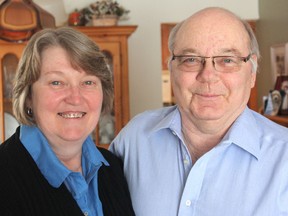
x=107, y=31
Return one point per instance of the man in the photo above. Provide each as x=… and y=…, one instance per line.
x=209, y=155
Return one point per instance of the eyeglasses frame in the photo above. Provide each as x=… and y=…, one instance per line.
x=203, y=58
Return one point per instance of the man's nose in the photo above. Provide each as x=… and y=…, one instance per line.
x=207, y=72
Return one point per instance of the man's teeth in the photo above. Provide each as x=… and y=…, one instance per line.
x=72, y=115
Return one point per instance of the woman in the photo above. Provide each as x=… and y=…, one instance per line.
x=50, y=166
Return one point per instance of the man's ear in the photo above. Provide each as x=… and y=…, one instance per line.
x=253, y=79
x=254, y=61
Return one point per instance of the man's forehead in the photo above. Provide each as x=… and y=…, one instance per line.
x=226, y=36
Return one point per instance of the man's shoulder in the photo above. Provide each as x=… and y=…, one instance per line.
x=144, y=125
x=153, y=115
x=268, y=125
x=271, y=133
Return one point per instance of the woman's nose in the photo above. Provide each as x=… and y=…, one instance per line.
x=74, y=95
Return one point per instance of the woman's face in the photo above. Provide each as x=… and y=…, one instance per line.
x=66, y=102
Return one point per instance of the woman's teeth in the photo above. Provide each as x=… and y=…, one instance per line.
x=72, y=115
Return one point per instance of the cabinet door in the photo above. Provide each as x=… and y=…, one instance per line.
x=110, y=125
x=9, y=57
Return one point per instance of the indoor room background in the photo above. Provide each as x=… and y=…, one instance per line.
x=145, y=87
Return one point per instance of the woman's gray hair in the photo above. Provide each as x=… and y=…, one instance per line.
x=253, y=44
x=83, y=53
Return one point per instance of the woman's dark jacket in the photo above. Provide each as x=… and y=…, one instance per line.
x=25, y=191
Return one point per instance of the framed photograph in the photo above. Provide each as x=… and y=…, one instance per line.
x=278, y=61
x=286, y=59
x=281, y=83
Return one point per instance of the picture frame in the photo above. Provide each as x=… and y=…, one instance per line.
x=278, y=59
x=286, y=59
x=281, y=82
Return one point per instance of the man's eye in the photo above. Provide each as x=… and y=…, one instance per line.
x=228, y=60
x=190, y=60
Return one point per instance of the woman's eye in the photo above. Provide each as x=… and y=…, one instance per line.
x=55, y=83
x=89, y=84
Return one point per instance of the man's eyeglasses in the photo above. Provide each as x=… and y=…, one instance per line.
x=225, y=64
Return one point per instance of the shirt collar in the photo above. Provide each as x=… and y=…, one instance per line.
x=48, y=163
x=244, y=132
x=171, y=119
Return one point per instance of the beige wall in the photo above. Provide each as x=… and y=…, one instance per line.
x=145, y=43
x=272, y=28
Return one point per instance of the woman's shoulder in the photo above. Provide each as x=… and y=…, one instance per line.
x=112, y=159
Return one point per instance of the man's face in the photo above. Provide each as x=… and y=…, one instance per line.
x=208, y=94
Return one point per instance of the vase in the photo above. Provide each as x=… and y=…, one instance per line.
x=76, y=19
x=104, y=20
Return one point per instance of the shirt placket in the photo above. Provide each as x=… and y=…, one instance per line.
x=193, y=185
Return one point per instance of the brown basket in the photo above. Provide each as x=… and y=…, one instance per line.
x=105, y=20
x=20, y=19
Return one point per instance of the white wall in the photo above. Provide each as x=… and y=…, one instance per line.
x=145, y=43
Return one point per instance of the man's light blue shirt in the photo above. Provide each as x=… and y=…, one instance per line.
x=246, y=174
x=84, y=188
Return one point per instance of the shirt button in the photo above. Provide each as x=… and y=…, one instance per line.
x=174, y=133
x=188, y=203
x=186, y=161
x=85, y=213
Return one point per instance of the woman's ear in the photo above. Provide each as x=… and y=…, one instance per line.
x=28, y=103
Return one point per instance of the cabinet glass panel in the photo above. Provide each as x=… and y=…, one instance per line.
x=9, y=64
x=105, y=131
x=9, y=67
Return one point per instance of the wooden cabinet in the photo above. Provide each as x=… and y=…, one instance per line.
x=10, y=54
x=113, y=41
